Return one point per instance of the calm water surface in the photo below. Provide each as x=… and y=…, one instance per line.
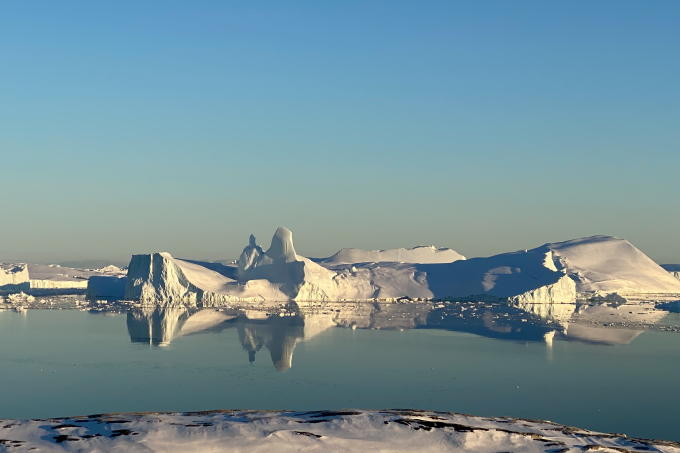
x=69, y=362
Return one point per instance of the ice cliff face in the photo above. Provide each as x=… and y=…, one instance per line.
x=158, y=277
x=14, y=276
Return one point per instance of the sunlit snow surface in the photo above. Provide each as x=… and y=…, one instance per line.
x=339, y=431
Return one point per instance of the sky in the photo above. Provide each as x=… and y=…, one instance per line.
x=485, y=126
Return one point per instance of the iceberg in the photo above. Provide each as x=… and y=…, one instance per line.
x=280, y=274
x=53, y=277
x=14, y=277
x=160, y=277
x=553, y=273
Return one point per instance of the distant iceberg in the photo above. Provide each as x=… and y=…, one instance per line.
x=14, y=277
x=57, y=278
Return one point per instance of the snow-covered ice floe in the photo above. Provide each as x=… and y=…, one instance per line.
x=327, y=431
x=553, y=273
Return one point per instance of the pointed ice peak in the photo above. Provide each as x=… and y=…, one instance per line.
x=282, y=249
x=249, y=257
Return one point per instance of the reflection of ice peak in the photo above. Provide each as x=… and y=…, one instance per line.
x=278, y=335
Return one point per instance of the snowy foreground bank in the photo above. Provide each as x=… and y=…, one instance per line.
x=347, y=431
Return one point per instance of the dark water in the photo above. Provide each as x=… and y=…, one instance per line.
x=68, y=362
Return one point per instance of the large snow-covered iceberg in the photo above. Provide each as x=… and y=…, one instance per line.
x=280, y=274
x=552, y=273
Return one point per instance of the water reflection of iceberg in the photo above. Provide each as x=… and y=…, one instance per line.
x=160, y=325
x=598, y=324
x=528, y=322
x=278, y=334
x=156, y=325
x=586, y=323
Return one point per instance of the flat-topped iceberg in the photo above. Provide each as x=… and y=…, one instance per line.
x=14, y=277
x=51, y=277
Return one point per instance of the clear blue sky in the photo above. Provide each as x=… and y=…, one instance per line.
x=485, y=126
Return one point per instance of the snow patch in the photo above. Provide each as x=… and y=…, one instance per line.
x=421, y=254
